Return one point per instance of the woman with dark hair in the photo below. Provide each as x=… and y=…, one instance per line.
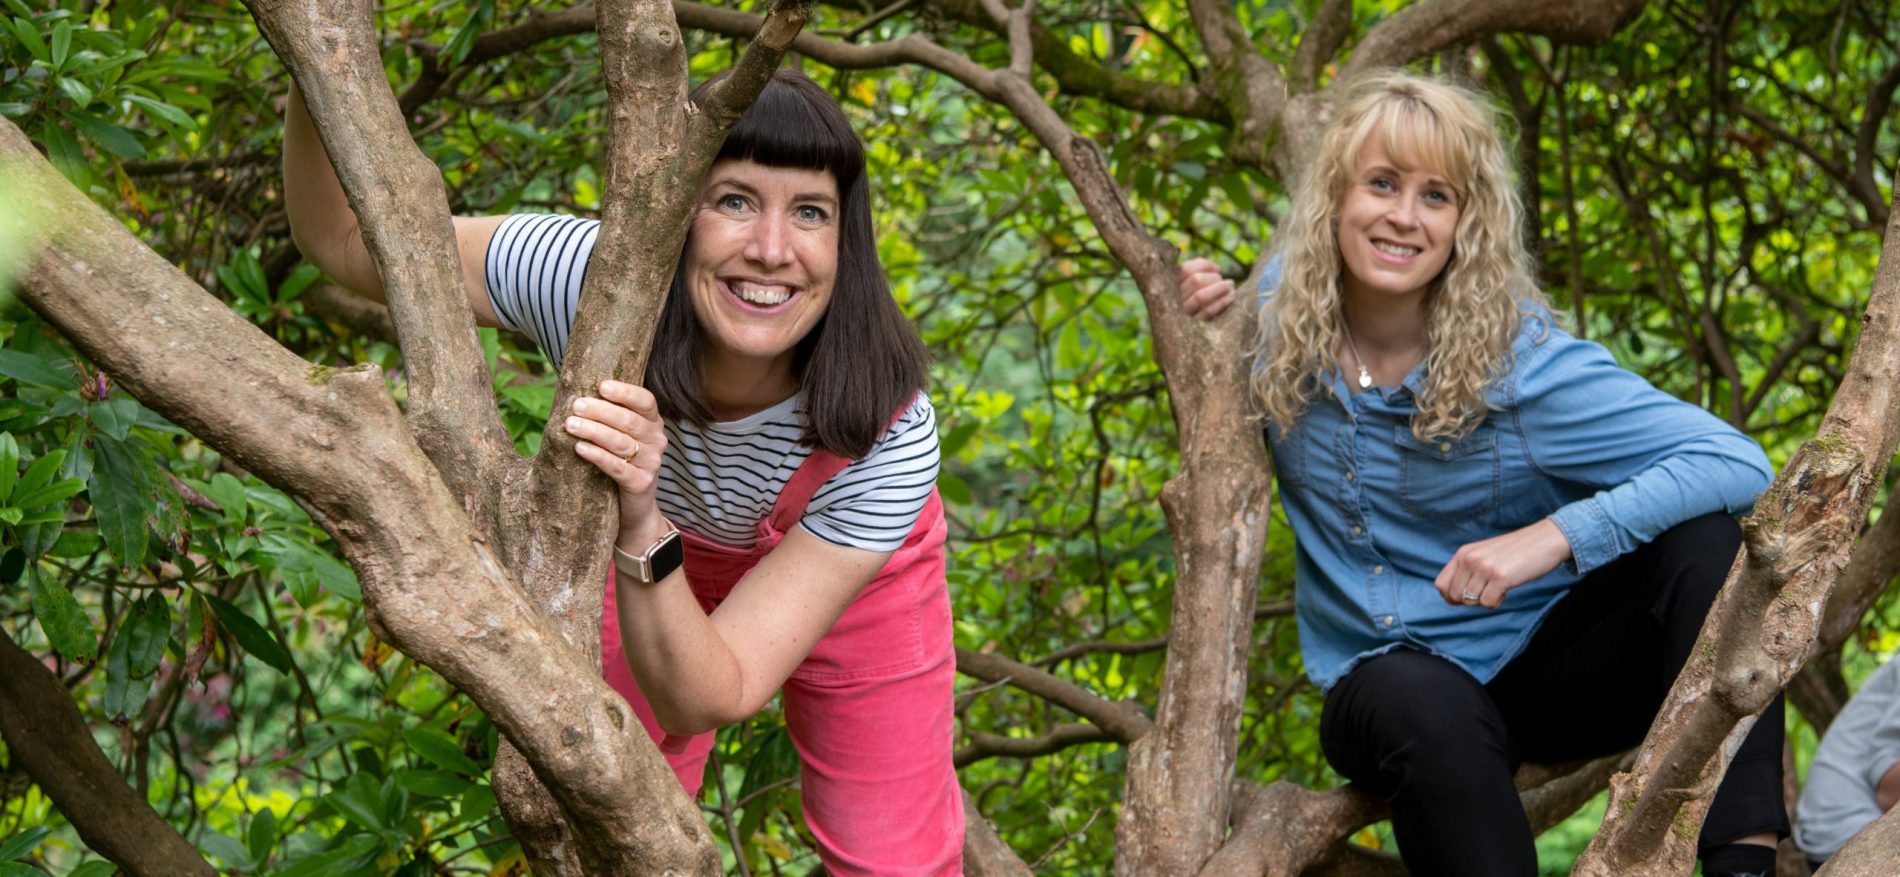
x=1506, y=543
x=779, y=531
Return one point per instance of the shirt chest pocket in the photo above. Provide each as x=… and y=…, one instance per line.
x=1449, y=480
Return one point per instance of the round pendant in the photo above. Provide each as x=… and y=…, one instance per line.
x=1365, y=378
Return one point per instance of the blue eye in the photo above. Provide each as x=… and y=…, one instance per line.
x=809, y=214
x=732, y=202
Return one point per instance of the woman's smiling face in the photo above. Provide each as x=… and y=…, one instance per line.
x=1397, y=224
x=761, y=261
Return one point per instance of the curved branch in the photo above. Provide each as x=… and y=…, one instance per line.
x=984, y=853
x=1425, y=28
x=45, y=734
x=1867, y=143
x=1320, y=41
x=1122, y=720
x=985, y=745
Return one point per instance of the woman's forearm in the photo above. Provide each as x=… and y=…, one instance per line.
x=689, y=675
x=321, y=221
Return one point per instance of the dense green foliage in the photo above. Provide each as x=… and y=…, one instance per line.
x=1695, y=215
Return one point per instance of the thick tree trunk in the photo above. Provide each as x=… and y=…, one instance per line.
x=334, y=439
x=1765, y=622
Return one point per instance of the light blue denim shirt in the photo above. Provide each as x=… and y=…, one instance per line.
x=1571, y=436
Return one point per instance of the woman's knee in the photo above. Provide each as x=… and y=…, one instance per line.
x=1412, y=708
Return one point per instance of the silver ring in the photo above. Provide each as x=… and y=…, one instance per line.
x=1469, y=597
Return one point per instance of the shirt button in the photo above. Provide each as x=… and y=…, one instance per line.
x=1358, y=530
x=1378, y=569
x=1387, y=621
x=1348, y=475
x=1445, y=446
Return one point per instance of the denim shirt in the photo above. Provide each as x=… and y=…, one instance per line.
x=1377, y=512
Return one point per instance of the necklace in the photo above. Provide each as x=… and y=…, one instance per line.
x=1365, y=374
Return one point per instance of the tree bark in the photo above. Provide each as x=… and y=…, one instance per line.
x=431, y=583
x=45, y=734
x=1766, y=620
x=1871, y=853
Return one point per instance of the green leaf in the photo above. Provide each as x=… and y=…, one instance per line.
x=108, y=136
x=125, y=694
x=114, y=417
x=251, y=635
x=63, y=150
x=16, y=869
x=62, y=43
x=31, y=39
x=36, y=477
x=228, y=850
x=75, y=543
x=23, y=843
x=432, y=783
x=953, y=488
x=360, y=801
x=146, y=629
x=9, y=465
x=352, y=855
x=440, y=750
x=263, y=834
x=50, y=495
x=95, y=868
x=39, y=371
x=121, y=498
x=62, y=618
x=164, y=111
x=228, y=492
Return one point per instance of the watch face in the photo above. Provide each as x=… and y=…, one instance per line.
x=667, y=556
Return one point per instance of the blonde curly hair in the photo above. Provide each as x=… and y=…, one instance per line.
x=1476, y=303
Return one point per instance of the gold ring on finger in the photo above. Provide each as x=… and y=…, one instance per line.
x=628, y=459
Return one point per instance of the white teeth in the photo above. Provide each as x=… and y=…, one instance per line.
x=760, y=295
x=1394, y=249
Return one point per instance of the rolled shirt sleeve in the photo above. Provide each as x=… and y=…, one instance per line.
x=1653, y=460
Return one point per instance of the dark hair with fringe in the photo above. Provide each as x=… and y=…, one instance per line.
x=863, y=360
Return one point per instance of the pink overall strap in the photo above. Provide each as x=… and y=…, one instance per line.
x=811, y=475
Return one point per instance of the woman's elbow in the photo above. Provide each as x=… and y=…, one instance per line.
x=685, y=720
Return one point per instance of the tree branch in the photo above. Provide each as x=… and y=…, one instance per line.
x=1319, y=42
x=1867, y=143
x=985, y=745
x=1765, y=621
x=46, y=735
x=984, y=853
x=1121, y=720
x=1246, y=82
x=403, y=210
x=432, y=586
x=1434, y=25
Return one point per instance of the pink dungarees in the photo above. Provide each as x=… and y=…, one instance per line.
x=869, y=710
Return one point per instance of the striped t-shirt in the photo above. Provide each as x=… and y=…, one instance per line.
x=719, y=482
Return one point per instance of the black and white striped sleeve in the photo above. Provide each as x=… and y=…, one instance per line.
x=874, y=502
x=536, y=263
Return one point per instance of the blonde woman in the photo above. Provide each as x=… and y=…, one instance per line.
x=1506, y=543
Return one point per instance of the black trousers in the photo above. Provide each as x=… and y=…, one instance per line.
x=1420, y=732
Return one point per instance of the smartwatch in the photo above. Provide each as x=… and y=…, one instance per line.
x=657, y=562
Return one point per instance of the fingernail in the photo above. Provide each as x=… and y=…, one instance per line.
x=573, y=423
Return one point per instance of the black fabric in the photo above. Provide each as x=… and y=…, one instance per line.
x=1739, y=860
x=1420, y=732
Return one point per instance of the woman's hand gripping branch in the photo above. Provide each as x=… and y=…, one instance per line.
x=621, y=433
